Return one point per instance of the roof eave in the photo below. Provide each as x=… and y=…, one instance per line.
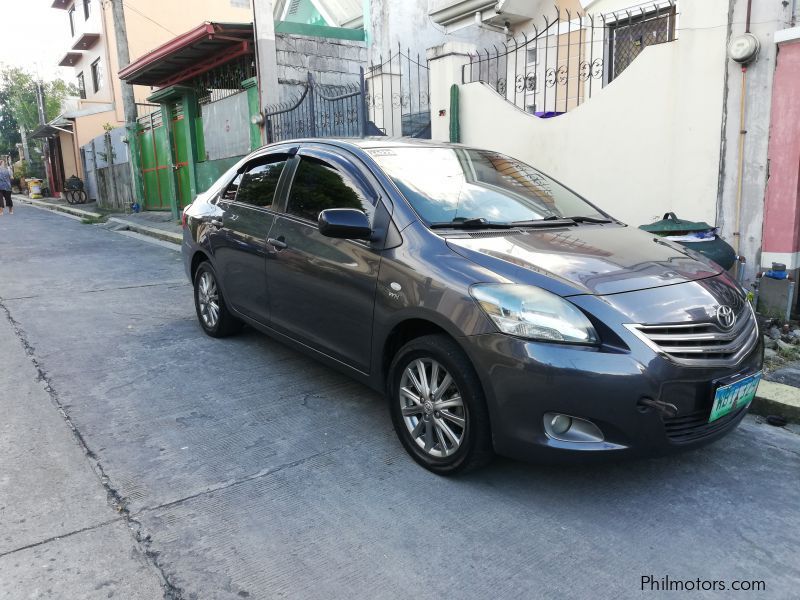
x=181, y=41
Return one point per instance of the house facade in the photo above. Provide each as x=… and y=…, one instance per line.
x=90, y=49
x=203, y=112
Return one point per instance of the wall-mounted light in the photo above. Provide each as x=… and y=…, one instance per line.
x=257, y=119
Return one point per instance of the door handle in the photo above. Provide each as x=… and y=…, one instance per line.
x=278, y=244
x=216, y=223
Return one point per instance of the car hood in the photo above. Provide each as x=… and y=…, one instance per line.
x=586, y=259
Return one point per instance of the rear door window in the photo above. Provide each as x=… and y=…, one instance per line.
x=258, y=184
x=229, y=195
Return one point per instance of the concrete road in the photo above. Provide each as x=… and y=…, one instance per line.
x=238, y=468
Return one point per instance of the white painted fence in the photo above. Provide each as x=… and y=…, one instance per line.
x=646, y=144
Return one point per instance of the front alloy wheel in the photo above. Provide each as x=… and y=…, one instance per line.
x=438, y=407
x=432, y=408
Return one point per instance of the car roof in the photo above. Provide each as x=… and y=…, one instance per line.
x=367, y=143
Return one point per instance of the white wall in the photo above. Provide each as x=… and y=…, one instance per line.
x=93, y=24
x=647, y=144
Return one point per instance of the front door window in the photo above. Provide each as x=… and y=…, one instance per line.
x=257, y=186
x=318, y=186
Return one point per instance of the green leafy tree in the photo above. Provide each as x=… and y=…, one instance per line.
x=9, y=129
x=18, y=107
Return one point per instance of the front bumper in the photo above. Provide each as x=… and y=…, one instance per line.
x=523, y=380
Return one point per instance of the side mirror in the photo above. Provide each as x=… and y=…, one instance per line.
x=344, y=223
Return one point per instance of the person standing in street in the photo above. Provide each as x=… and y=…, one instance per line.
x=5, y=189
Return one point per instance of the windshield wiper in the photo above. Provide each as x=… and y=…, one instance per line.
x=481, y=223
x=546, y=222
x=579, y=219
x=476, y=223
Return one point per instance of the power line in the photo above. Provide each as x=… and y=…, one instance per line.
x=141, y=14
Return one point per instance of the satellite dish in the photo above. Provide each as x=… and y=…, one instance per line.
x=744, y=48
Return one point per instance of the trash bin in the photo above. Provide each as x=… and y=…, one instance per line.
x=695, y=235
x=34, y=188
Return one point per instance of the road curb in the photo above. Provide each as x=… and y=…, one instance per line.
x=76, y=212
x=153, y=232
x=777, y=399
x=159, y=234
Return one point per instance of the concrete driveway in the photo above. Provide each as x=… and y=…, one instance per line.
x=241, y=468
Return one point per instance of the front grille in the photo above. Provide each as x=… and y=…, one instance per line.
x=694, y=426
x=702, y=344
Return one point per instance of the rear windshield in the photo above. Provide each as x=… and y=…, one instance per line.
x=448, y=185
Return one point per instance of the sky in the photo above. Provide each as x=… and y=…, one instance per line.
x=32, y=36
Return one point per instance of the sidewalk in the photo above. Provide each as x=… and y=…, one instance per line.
x=156, y=224
x=781, y=397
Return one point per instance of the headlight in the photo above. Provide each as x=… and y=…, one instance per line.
x=533, y=313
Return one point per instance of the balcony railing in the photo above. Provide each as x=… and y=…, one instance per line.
x=558, y=67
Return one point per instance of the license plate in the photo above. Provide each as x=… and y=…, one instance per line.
x=735, y=395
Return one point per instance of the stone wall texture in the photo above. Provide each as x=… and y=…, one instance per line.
x=333, y=62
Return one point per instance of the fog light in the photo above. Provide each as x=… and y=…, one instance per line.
x=560, y=424
x=571, y=429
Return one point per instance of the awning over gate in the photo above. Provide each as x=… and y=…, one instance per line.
x=53, y=128
x=191, y=54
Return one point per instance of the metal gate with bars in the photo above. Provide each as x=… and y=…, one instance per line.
x=398, y=95
x=320, y=111
x=558, y=67
x=391, y=98
x=158, y=150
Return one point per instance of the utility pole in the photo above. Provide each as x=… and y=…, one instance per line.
x=24, y=151
x=128, y=99
x=124, y=59
x=40, y=102
x=48, y=167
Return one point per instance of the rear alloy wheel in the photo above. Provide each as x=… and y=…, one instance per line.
x=438, y=407
x=212, y=312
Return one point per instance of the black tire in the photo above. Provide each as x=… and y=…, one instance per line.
x=225, y=323
x=70, y=197
x=475, y=448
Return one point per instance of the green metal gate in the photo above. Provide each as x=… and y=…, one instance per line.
x=180, y=152
x=159, y=151
x=154, y=152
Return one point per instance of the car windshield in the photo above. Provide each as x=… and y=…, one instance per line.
x=453, y=185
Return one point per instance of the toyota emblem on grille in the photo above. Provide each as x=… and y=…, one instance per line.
x=725, y=316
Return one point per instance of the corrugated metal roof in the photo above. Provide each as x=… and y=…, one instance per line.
x=188, y=54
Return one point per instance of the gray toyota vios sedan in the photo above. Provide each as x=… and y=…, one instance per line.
x=496, y=309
